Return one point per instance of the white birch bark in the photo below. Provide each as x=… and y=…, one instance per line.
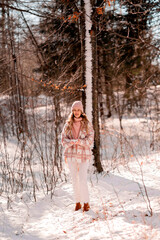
x=88, y=59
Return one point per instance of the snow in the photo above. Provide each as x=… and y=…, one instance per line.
x=118, y=210
x=122, y=198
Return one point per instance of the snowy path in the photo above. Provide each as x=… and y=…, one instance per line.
x=118, y=210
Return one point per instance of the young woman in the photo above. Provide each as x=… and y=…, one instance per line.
x=77, y=140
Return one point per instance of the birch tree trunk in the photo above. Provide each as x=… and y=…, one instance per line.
x=88, y=59
x=92, y=109
x=82, y=37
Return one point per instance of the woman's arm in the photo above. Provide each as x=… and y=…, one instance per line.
x=65, y=140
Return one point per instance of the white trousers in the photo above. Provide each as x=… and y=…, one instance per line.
x=78, y=173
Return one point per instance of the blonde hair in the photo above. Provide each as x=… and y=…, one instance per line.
x=84, y=122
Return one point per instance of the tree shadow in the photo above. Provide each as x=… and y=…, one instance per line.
x=124, y=185
x=128, y=193
x=9, y=231
x=142, y=217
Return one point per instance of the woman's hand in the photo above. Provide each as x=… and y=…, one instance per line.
x=73, y=141
x=76, y=141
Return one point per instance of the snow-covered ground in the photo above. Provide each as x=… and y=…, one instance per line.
x=119, y=208
x=124, y=199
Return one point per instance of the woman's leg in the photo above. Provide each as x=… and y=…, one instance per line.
x=84, y=194
x=73, y=167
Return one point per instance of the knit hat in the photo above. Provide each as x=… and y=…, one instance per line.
x=77, y=104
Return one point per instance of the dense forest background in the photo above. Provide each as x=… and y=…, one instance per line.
x=42, y=53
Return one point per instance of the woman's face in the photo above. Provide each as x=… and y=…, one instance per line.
x=77, y=112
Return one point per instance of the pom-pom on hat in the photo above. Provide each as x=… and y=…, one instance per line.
x=77, y=104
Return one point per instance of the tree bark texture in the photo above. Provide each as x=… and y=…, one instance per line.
x=96, y=148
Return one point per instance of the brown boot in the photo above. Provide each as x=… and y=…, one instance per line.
x=86, y=207
x=78, y=206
